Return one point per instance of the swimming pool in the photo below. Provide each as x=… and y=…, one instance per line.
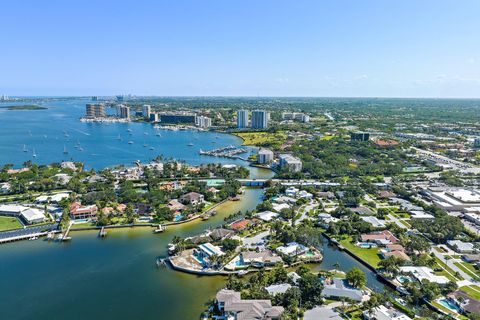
x=365, y=245
x=449, y=305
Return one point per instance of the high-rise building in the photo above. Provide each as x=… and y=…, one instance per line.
x=242, y=118
x=154, y=117
x=95, y=110
x=476, y=142
x=203, y=122
x=265, y=156
x=146, y=110
x=4, y=97
x=260, y=119
x=123, y=111
x=359, y=136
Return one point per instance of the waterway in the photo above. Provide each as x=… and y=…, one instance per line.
x=116, y=277
x=49, y=132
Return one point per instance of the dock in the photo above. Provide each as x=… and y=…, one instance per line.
x=65, y=237
x=102, y=233
x=225, y=152
x=161, y=228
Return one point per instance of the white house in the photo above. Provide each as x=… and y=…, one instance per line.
x=384, y=313
x=32, y=215
x=292, y=249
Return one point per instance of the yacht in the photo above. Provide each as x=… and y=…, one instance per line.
x=130, y=142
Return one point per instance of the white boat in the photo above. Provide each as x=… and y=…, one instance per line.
x=25, y=148
x=160, y=229
x=34, y=154
x=190, y=144
x=130, y=142
x=33, y=238
x=65, y=151
x=145, y=145
x=152, y=148
x=119, y=137
x=129, y=130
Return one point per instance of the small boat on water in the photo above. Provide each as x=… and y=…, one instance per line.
x=171, y=248
x=152, y=148
x=129, y=130
x=130, y=142
x=145, y=145
x=190, y=144
x=65, y=151
x=205, y=217
x=34, y=154
x=25, y=148
x=33, y=238
x=119, y=137
x=213, y=213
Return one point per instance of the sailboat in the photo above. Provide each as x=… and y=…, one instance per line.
x=65, y=151
x=119, y=137
x=25, y=148
x=34, y=154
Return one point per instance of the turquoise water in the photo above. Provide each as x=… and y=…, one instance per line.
x=448, y=304
x=50, y=131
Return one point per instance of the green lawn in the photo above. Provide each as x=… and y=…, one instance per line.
x=371, y=256
x=83, y=225
x=470, y=290
x=262, y=138
x=9, y=223
x=450, y=274
x=468, y=269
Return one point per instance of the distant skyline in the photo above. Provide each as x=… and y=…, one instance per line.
x=337, y=48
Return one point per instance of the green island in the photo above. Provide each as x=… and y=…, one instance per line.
x=24, y=107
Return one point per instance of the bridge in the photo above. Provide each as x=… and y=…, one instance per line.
x=285, y=182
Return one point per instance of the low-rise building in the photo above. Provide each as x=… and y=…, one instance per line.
x=232, y=306
x=80, y=212
x=192, y=198
x=384, y=313
x=292, y=249
x=33, y=215
x=338, y=288
x=384, y=235
x=460, y=246
x=424, y=273
x=375, y=222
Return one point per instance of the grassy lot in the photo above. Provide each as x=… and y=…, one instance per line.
x=9, y=223
x=468, y=269
x=449, y=273
x=83, y=225
x=473, y=291
x=262, y=138
x=371, y=255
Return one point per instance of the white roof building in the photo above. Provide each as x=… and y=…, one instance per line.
x=420, y=214
x=384, y=313
x=33, y=215
x=12, y=209
x=460, y=246
x=292, y=191
x=267, y=215
x=280, y=206
x=292, y=249
x=421, y=273
x=52, y=198
x=275, y=289
x=375, y=222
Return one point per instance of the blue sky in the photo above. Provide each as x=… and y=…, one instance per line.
x=407, y=48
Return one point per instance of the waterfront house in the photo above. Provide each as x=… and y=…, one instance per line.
x=292, y=249
x=80, y=212
x=33, y=215
x=220, y=234
x=68, y=165
x=339, y=288
x=280, y=206
x=386, y=253
x=193, y=198
x=233, y=307
x=143, y=209
x=383, y=313
x=265, y=258
x=421, y=273
x=11, y=209
x=175, y=205
x=241, y=225
x=382, y=237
